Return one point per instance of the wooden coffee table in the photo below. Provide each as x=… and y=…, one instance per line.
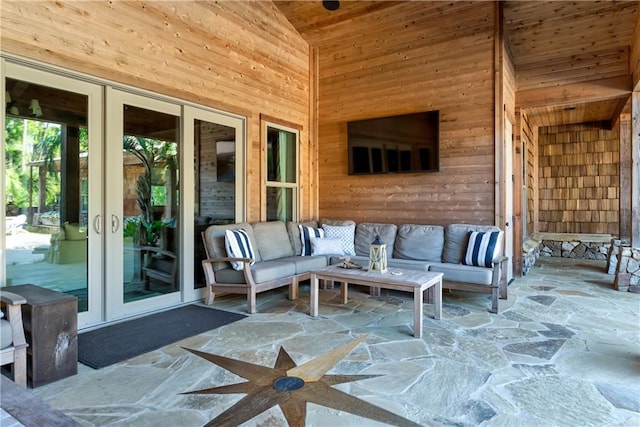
x=400, y=279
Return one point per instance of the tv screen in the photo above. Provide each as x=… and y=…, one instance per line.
x=394, y=144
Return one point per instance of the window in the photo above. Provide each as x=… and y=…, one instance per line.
x=282, y=173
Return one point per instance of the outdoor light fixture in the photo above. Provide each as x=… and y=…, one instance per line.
x=35, y=108
x=378, y=256
x=331, y=5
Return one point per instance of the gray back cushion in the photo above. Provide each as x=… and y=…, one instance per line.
x=337, y=222
x=214, y=242
x=273, y=240
x=421, y=242
x=457, y=238
x=294, y=234
x=366, y=233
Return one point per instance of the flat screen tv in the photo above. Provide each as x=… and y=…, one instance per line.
x=394, y=144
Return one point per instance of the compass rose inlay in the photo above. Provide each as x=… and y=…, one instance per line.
x=291, y=386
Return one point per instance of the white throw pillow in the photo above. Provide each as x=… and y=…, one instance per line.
x=326, y=246
x=343, y=232
x=483, y=248
x=306, y=234
x=238, y=245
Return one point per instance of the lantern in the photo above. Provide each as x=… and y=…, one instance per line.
x=378, y=256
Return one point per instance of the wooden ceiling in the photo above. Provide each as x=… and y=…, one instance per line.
x=571, y=57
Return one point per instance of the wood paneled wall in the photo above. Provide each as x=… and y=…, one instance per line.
x=241, y=57
x=438, y=56
x=634, y=56
x=529, y=138
x=579, y=179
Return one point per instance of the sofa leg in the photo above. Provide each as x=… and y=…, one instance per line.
x=494, y=301
x=20, y=367
x=210, y=295
x=293, y=289
x=251, y=301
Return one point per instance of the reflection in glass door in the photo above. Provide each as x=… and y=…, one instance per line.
x=52, y=156
x=143, y=181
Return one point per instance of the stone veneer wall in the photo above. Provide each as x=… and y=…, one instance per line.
x=575, y=249
x=624, y=262
x=578, y=246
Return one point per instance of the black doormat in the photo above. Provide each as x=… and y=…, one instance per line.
x=122, y=341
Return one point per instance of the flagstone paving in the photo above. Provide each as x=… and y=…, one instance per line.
x=563, y=351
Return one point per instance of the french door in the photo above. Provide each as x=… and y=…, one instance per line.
x=142, y=219
x=52, y=181
x=108, y=191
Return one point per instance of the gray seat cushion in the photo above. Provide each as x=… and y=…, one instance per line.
x=420, y=242
x=463, y=273
x=408, y=263
x=264, y=271
x=6, y=335
x=272, y=239
x=457, y=238
x=366, y=233
x=305, y=264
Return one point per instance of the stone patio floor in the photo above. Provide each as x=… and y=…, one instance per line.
x=563, y=351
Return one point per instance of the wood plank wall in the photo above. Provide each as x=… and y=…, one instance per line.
x=634, y=56
x=514, y=178
x=241, y=57
x=529, y=137
x=579, y=178
x=414, y=56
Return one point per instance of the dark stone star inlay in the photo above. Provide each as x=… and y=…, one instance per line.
x=290, y=387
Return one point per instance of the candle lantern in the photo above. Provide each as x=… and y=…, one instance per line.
x=378, y=256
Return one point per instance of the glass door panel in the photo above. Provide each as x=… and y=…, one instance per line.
x=144, y=184
x=51, y=139
x=150, y=185
x=217, y=150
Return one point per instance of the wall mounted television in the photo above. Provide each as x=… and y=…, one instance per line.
x=394, y=144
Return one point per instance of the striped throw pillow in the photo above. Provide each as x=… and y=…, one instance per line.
x=238, y=245
x=483, y=248
x=306, y=234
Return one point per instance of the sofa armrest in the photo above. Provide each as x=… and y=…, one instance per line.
x=500, y=275
x=500, y=259
x=10, y=298
x=210, y=275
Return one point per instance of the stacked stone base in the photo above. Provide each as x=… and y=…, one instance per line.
x=624, y=262
x=575, y=249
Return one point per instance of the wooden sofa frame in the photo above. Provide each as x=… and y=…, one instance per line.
x=16, y=353
x=250, y=288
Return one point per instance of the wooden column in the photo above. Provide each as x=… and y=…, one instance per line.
x=635, y=169
x=70, y=175
x=625, y=176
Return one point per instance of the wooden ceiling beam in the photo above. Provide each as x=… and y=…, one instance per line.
x=590, y=91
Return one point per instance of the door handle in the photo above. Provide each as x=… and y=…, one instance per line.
x=97, y=224
x=115, y=223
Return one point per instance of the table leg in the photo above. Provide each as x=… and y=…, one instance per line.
x=313, y=303
x=437, y=300
x=417, y=312
x=344, y=291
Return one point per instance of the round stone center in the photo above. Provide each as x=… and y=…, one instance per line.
x=288, y=383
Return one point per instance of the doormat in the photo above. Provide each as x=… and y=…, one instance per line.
x=116, y=343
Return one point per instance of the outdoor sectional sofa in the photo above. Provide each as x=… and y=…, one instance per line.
x=278, y=260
